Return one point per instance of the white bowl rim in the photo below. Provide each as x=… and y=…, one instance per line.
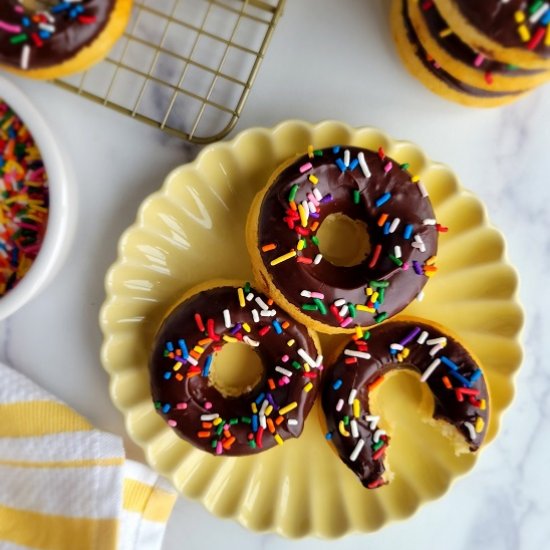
x=62, y=209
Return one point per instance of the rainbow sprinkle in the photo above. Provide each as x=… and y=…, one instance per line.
x=25, y=199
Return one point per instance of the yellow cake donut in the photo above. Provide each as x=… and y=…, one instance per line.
x=393, y=242
x=459, y=406
x=192, y=393
x=49, y=39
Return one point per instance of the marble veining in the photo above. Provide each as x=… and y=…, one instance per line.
x=502, y=155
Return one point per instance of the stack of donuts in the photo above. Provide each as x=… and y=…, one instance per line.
x=300, y=290
x=481, y=53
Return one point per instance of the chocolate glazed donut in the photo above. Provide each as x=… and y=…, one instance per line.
x=453, y=376
x=274, y=409
x=40, y=37
x=368, y=187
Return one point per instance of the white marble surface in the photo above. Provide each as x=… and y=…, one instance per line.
x=327, y=60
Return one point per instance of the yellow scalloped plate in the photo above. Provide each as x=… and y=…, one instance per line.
x=193, y=230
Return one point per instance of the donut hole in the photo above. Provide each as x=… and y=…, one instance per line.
x=343, y=241
x=402, y=393
x=236, y=370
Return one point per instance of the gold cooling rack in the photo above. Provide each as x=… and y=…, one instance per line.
x=184, y=66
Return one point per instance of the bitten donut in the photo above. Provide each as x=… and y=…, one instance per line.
x=371, y=191
x=456, y=381
x=48, y=39
x=183, y=363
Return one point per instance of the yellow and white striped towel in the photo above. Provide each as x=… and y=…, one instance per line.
x=65, y=485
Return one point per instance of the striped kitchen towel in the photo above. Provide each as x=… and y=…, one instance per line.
x=67, y=486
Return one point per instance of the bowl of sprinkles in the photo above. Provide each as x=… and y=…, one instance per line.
x=36, y=207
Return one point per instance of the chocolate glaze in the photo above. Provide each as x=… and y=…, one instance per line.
x=197, y=390
x=69, y=38
x=495, y=19
x=454, y=46
x=439, y=72
x=447, y=407
x=349, y=283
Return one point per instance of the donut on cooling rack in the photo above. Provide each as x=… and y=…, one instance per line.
x=375, y=269
x=47, y=39
x=190, y=387
x=453, y=376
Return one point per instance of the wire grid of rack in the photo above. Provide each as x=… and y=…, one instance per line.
x=184, y=66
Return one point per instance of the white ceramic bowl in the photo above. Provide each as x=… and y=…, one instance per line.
x=62, y=210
